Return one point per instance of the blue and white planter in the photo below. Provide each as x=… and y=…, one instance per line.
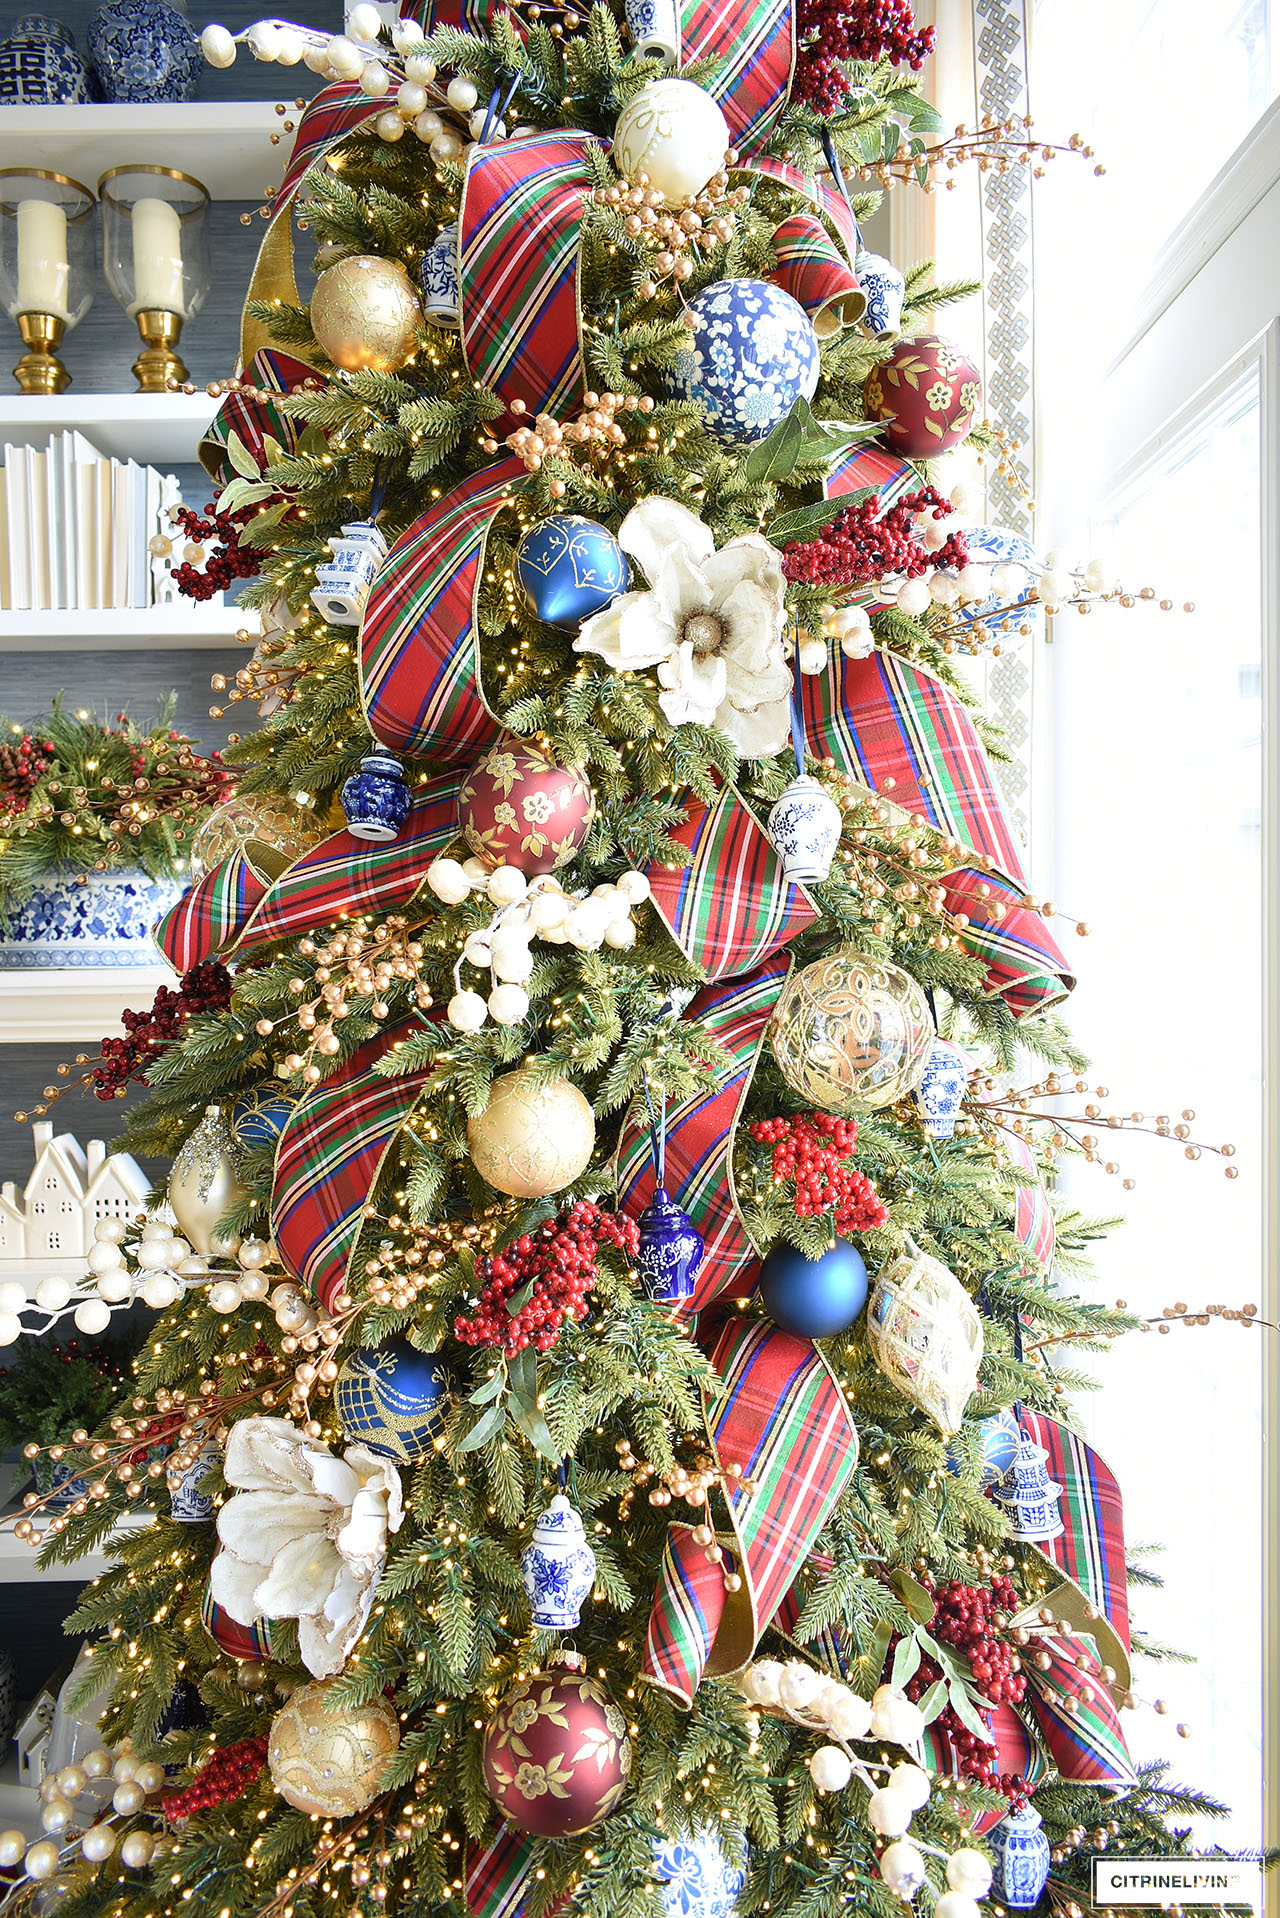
x=144, y=51
x=697, y=1879
x=558, y=1568
x=102, y=924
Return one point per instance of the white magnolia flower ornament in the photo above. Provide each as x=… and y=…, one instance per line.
x=304, y=1537
x=711, y=623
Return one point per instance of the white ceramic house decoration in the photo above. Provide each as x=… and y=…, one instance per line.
x=50, y=1224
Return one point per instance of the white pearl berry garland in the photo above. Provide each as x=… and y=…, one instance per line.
x=101, y=1774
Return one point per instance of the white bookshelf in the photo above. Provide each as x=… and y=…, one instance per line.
x=122, y=629
x=18, y=1561
x=228, y=146
x=156, y=429
x=67, y=1006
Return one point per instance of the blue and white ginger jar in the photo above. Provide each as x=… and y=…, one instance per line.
x=941, y=1091
x=39, y=65
x=102, y=924
x=1022, y=1858
x=885, y=289
x=376, y=800
x=558, y=1568
x=343, y=582
x=438, y=276
x=696, y=1878
x=189, y=1503
x=752, y=354
x=671, y=1250
x=805, y=825
x=144, y=51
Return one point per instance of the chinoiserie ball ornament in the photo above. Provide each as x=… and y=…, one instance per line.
x=813, y=1298
x=326, y=1757
x=391, y=1398
x=849, y=1032
x=926, y=396
x=516, y=807
x=696, y=1877
x=532, y=1138
x=249, y=1643
x=568, y=567
x=365, y=314
x=752, y=353
x=268, y=830
x=675, y=132
x=556, y=1752
x=204, y=1184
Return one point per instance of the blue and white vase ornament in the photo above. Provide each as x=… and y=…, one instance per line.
x=885, y=289
x=558, y=1568
x=1022, y=1858
x=671, y=1247
x=376, y=800
x=940, y=1093
x=569, y=567
x=343, y=582
x=392, y=1399
x=439, y=278
x=805, y=822
x=1030, y=1496
x=653, y=28
x=144, y=51
x=189, y=1503
x=752, y=354
x=39, y=65
x=695, y=1876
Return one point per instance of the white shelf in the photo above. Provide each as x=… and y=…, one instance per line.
x=19, y=1804
x=119, y=629
x=65, y=1005
x=226, y=147
x=156, y=429
x=18, y=1561
x=31, y=1275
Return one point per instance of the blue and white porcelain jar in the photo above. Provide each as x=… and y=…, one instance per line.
x=671, y=1251
x=885, y=289
x=438, y=276
x=189, y=1503
x=752, y=354
x=100, y=921
x=376, y=800
x=144, y=51
x=39, y=65
x=558, y=1568
x=696, y=1877
x=343, y=583
x=805, y=825
x=1022, y=1858
x=941, y=1091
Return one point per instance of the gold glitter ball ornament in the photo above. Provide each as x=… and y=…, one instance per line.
x=532, y=1139
x=364, y=313
x=326, y=1757
x=268, y=830
x=850, y=1032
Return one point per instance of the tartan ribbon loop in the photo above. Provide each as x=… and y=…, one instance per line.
x=812, y=269
x=271, y=374
x=1090, y=1553
x=782, y=1416
x=827, y=200
x=211, y=914
x=730, y=907
x=1024, y=965
x=1033, y=1224
x=755, y=42
x=420, y=665
x=330, y=1154
x=1076, y=1712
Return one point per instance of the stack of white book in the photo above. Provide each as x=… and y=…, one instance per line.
x=76, y=527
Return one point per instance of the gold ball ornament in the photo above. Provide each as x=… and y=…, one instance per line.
x=365, y=314
x=850, y=1032
x=532, y=1139
x=204, y=1185
x=267, y=829
x=326, y=1757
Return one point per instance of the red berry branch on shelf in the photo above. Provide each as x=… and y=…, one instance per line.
x=206, y=988
x=814, y=1150
x=228, y=560
x=551, y=1271
x=868, y=541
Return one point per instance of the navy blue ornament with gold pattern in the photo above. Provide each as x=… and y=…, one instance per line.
x=391, y=1398
x=813, y=1298
x=260, y=1118
x=569, y=567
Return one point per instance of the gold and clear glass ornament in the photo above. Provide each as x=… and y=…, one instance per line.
x=926, y=1336
x=850, y=1032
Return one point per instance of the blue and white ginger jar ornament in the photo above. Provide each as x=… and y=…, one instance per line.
x=438, y=278
x=885, y=289
x=376, y=800
x=558, y=1568
x=671, y=1251
x=189, y=1503
x=391, y=1398
x=1030, y=1496
x=1022, y=1858
x=941, y=1091
x=569, y=567
x=343, y=582
x=695, y=1876
x=805, y=825
x=144, y=51
x=39, y=65
x=752, y=354
x=101, y=921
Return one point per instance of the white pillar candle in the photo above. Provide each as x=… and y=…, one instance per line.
x=157, y=258
x=43, y=271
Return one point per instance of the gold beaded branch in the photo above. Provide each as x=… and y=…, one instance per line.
x=996, y=146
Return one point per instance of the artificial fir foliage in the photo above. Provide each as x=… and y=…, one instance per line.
x=353, y=1011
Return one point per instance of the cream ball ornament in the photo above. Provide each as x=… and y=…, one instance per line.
x=467, y=1011
x=969, y=1871
x=365, y=314
x=13, y=1844
x=532, y=1139
x=798, y=1686
x=218, y=46
x=673, y=131
x=893, y=1716
x=889, y=1813
x=850, y=1717
x=830, y=1768
x=93, y=1317
x=326, y=1757
x=914, y=1784
x=957, y=1904
x=760, y=1681
x=902, y=1868
x=53, y=1293
x=42, y=1859
x=448, y=881
x=508, y=1005
x=364, y=20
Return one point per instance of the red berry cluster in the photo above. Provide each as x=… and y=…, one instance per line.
x=227, y=1775
x=814, y=1151
x=965, y=1618
x=835, y=30
x=206, y=988
x=22, y=766
x=560, y=1261
x=229, y=560
x=869, y=541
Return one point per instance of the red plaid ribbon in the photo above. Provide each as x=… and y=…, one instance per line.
x=812, y=269
x=1077, y=1715
x=831, y=203
x=253, y=419
x=419, y=643
x=209, y=918
x=1024, y=965
x=730, y=907
x=755, y=41
x=1032, y=1214
x=333, y=113
x=1091, y=1549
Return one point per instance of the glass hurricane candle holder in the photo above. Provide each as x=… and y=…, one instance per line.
x=155, y=249
x=46, y=267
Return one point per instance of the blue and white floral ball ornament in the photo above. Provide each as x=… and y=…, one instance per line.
x=752, y=354
x=695, y=1877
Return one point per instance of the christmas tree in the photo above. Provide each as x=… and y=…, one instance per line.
x=606, y=1434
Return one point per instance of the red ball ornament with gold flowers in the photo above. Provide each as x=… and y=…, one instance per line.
x=518, y=808
x=926, y=396
x=556, y=1754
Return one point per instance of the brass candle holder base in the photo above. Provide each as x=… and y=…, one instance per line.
x=40, y=370
x=157, y=365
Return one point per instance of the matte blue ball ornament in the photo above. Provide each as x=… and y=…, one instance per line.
x=391, y=1398
x=569, y=567
x=814, y=1298
x=376, y=800
x=671, y=1251
x=696, y=1878
x=1022, y=1858
x=558, y=1568
x=752, y=354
